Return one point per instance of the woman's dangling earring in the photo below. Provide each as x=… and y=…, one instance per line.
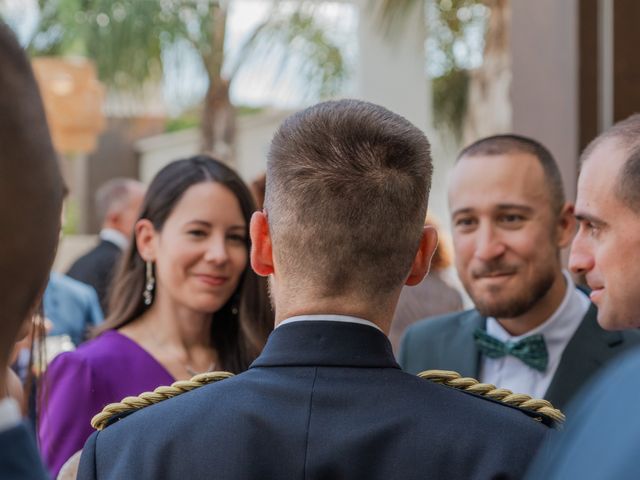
x=150, y=285
x=234, y=306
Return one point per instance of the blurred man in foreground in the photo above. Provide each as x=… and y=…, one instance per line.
x=341, y=233
x=31, y=194
x=603, y=433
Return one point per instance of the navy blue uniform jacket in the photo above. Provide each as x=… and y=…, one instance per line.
x=325, y=400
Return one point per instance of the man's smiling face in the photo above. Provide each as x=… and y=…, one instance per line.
x=505, y=232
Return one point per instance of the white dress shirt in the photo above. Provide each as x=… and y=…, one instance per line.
x=510, y=372
x=9, y=414
x=114, y=236
x=329, y=318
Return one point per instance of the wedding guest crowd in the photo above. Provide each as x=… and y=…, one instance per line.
x=299, y=380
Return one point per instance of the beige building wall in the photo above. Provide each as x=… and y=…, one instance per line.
x=544, y=89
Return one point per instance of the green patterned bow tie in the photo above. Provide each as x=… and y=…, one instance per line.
x=531, y=350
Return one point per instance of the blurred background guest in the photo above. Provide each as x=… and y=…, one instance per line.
x=117, y=205
x=72, y=307
x=185, y=301
x=433, y=296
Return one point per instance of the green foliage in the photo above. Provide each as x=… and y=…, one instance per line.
x=127, y=39
x=323, y=70
x=192, y=119
x=450, y=92
x=450, y=23
x=450, y=26
x=71, y=218
x=182, y=122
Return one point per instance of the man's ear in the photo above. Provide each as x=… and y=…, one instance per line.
x=566, y=227
x=422, y=260
x=145, y=239
x=261, y=249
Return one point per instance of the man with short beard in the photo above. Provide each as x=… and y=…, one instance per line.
x=532, y=330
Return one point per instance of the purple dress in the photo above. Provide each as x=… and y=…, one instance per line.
x=79, y=384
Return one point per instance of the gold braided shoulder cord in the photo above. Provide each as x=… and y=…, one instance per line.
x=521, y=400
x=145, y=399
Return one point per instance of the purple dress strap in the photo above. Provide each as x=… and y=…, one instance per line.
x=78, y=384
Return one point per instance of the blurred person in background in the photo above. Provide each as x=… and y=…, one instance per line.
x=432, y=296
x=185, y=302
x=532, y=331
x=31, y=192
x=71, y=307
x=117, y=206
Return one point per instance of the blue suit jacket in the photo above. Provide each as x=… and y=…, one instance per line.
x=602, y=435
x=72, y=307
x=325, y=400
x=19, y=459
x=446, y=343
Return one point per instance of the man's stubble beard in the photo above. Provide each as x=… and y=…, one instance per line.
x=523, y=301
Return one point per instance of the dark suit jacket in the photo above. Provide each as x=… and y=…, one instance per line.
x=446, y=343
x=96, y=268
x=19, y=459
x=324, y=400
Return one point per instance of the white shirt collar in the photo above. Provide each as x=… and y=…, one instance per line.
x=114, y=236
x=329, y=318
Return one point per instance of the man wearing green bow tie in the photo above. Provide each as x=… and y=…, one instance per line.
x=532, y=330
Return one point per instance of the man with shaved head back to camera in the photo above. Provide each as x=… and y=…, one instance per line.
x=342, y=231
x=603, y=432
x=31, y=192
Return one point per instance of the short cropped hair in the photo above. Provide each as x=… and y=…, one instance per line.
x=114, y=195
x=627, y=134
x=346, y=196
x=510, y=143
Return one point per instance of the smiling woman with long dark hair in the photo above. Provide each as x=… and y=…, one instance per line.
x=185, y=301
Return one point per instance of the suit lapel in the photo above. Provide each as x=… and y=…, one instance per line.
x=589, y=348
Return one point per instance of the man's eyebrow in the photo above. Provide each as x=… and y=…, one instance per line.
x=586, y=217
x=461, y=210
x=515, y=206
x=501, y=206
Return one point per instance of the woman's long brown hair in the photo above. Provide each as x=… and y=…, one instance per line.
x=237, y=337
